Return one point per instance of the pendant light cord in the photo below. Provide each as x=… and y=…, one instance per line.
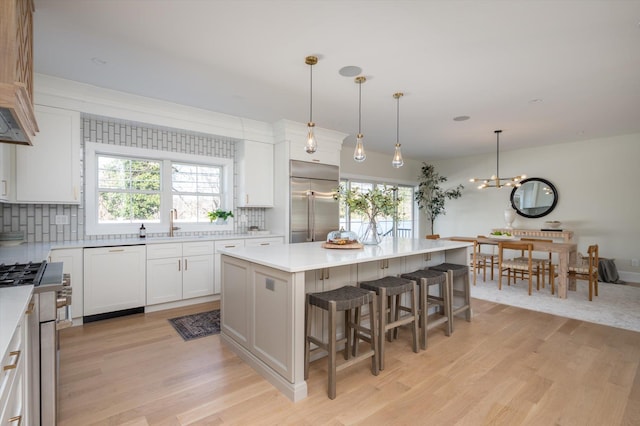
x=359, y=107
x=311, y=94
x=398, y=120
x=498, y=153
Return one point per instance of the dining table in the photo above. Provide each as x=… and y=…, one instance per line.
x=567, y=253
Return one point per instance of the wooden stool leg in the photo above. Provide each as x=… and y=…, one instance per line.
x=382, y=314
x=348, y=334
x=424, y=310
x=375, y=359
x=332, y=350
x=467, y=297
x=445, y=289
x=414, y=312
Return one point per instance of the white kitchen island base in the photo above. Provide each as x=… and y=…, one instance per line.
x=263, y=295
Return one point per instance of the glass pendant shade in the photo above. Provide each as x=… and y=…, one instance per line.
x=397, y=161
x=311, y=146
x=359, y=154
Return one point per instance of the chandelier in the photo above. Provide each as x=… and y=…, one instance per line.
x=496, y=181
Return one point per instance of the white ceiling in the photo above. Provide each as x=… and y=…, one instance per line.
x=545, y=72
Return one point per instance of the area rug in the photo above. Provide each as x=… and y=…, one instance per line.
x=197, y=325
x=616, y=305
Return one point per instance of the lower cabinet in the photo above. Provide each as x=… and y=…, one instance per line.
x=177, y=271
x=14, y=389
x=114, y=278
x=226, y=244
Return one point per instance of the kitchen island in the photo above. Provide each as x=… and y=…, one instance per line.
x=263, y=295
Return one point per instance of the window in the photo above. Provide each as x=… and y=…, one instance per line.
x=195, y=191
x=126, y=187
x=128, y=190
x=405, y=218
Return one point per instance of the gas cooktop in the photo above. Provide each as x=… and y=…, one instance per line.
x=21, y=273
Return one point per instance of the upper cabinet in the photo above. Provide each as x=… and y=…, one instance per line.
x=17, y=119
x=49, y=171
x=6, y=171
x=255, y=174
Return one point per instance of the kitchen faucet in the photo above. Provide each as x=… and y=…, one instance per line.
x=173, y=214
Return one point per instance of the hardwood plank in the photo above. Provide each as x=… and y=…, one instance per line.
x=509, y=366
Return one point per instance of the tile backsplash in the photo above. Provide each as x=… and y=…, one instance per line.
x=38, y=221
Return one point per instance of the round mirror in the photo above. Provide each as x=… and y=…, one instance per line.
x=535, y=197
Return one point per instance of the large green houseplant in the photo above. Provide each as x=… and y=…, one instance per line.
x=430, y=196
x=376, y=202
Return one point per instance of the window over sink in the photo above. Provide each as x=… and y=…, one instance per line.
x=127, y=186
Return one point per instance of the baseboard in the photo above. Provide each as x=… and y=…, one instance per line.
x=633, y=277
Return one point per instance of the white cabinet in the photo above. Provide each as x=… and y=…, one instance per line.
x=7, y=182
x=49, y=171
x=198, y=273
x=226, y=244
x=164, y=273
x=114, y=279
x=72, y=265
x=14, y=389
x=255, y=174
x=268, y=241
x=177, y=271
x=380, y=268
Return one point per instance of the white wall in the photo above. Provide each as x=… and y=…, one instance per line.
x=377, y=166
x=597, y=182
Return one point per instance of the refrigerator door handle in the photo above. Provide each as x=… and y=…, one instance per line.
x=312, y=216
x=309, y=216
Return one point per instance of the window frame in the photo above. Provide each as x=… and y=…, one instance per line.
x=166, y=158
x=368, y=181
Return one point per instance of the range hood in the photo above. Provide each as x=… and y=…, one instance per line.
x=17, y=119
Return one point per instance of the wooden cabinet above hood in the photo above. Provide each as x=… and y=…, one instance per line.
x=17, y=119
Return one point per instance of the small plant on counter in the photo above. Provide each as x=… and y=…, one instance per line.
x=220, y=214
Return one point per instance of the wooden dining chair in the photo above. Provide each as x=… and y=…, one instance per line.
x=544, y=263
x=587, y=269
x=484, y=259
x=513, y=265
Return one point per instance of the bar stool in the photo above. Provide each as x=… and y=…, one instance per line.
x=341, y=299
x=427, y=278
x=389, y=290
x=456, y=271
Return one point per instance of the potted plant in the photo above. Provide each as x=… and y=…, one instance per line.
x=430, y=196
x=371, y=204
x=219, y=215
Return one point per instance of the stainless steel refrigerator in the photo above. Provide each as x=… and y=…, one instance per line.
x=314, y=211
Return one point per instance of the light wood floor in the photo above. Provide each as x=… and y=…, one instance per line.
x=507, y=367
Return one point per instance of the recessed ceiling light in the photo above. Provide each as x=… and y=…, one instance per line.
x=98, y=61
x=350, y=71
x=461, y=118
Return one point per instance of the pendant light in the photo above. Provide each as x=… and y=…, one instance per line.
x=311, y=144
x=496, y=181
x=397, y=161
x=359, y=154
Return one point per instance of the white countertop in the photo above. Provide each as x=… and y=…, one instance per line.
x=13, y=305
x=309, y=256
x=37, y=252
